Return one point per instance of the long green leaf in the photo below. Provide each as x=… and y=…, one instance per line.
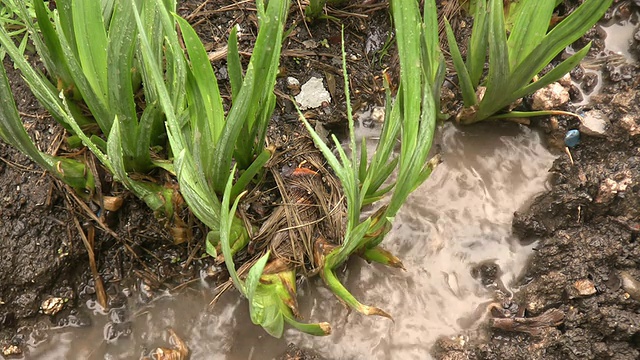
x=96, y=102
x=234, y=66
x=464, y=79
x=206, y=81
x=477, y=51
x=555, y=74
x=120, y=50
x=530, y=27
x=499, y=70
x=226, y=217
x=565, y=33
x=48, y=46
x=155, y=196
x=11, y=129
x=91, y=39
x=252, y=97
x=343, y=294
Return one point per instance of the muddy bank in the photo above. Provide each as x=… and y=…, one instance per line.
x=579, y=297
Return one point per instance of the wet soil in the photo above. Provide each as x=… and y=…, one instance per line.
x=578, y=297
x=43, y=254
x=585, y=264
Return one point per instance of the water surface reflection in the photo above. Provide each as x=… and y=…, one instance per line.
x=460, y=217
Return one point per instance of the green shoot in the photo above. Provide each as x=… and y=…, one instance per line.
x=12, y=131
x=11, y=19
x=56, y=51
x=412, y=116
x=516, y=59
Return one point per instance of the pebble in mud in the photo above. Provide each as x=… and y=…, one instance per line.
x=550, y=97
x=11, y=350
x=313, y=94
x=594, y=123
x=589, y=82
x=611, y=187
x=630, y=285
x=52, y=305
x=631, y=124
x=581, y=288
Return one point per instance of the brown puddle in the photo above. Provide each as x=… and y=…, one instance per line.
x=460, y=217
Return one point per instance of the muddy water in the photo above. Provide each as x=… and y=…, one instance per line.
x=460, y=217
x=617, y=44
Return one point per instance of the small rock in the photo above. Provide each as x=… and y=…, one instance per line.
x=52, y=305
x=609, y=188
x=631, y=124
x=594, y=123
x=589, y=82
x=377, y=114
x=565, y=81
x=310, y=44
x=624, y=100
x=630, y=285
x=292, y=82
x=584, y=287
x=11, y=350
x=550, y=97
x=572, y=138
x=313, y=94
x=294, y=85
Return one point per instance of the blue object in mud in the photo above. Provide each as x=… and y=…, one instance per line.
x=572, y=138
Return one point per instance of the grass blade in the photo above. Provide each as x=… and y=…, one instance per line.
x=530, y=26
x=91, y=40
x=477, y=52
x=464, y=79
x=233, y=63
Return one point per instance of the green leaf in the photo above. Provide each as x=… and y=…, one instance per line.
x=251, y=172
x=477, y=52
x=253, y=277
x=343, y=294
x=253, y=97
x=212, y=125
x=562, y=35
x=464, y=79
x=556, y=73
x=155, y=196
x=48, y=46
x=96, y=102
x=234, y=66
x=226, y=217
x=91, y=40
x=499, y=69
x=120, y=50
x=11, y=129
x=530, y=27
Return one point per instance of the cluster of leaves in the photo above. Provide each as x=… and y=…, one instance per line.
x=13, y=24
x=412, y=117
x=516, y=59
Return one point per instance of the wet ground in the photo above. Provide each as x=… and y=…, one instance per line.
x=454, y=235
x=452, y=229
